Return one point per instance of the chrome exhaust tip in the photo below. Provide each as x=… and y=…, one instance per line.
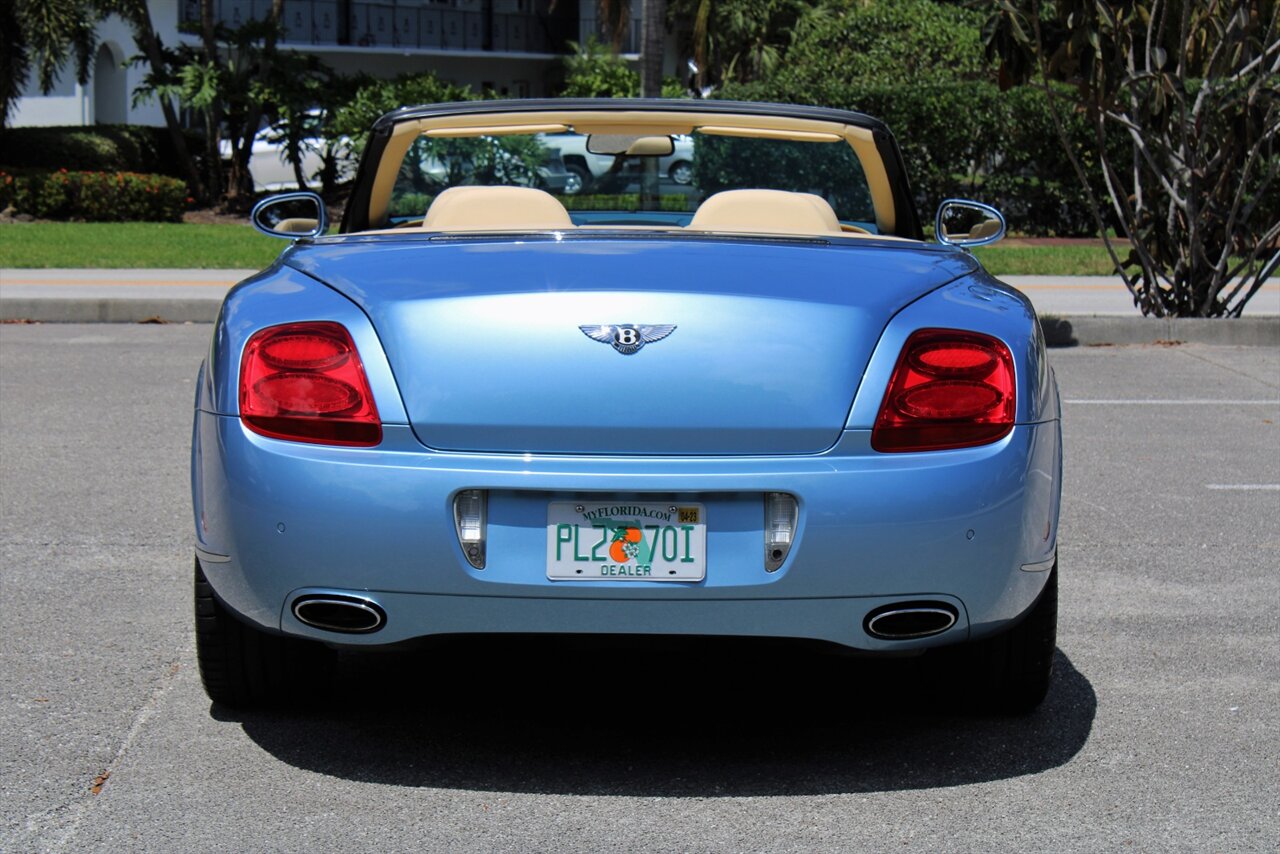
x=336, y=613
x=907, y=620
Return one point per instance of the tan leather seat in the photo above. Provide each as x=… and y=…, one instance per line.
x=495, y=209
x=983, y=230
x=766, y=212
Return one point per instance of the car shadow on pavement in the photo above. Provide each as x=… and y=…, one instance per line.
x=665, y=722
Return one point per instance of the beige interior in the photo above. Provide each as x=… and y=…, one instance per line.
x=296, y=225
x=496, y=130
x=495, y=209
x=983, y=230
x=732, y=211
x=636, y=123
x=766, y=212
x=770, y=133
x=651, y=146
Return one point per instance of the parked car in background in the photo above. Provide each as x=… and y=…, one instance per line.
x=269, y=164
x=269, y=161
x=547, y=173
x=585, y=167
x=765, y=408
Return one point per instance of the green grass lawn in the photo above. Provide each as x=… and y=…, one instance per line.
x=183, y=245
x=1016, y=260
x=134, y=244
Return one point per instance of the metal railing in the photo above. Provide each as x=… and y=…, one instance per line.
x=404, y=24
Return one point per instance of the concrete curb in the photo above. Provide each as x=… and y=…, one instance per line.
x=108, y=310
x=1073, y=330
x=1061, y=330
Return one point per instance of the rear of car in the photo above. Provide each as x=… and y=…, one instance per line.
x=585, y=430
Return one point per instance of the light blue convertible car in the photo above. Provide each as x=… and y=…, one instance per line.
x=754, y=404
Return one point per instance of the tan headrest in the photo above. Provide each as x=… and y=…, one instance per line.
x=495, y=209
x=766, y=212
x=296, y=225
x=986, y=228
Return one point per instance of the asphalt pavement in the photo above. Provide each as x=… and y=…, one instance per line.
x=1159, y=733
x=1076, y=310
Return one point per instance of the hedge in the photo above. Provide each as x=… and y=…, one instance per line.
x=101, y=148
x=95, y=196
x=969, y=139
x=623, y=202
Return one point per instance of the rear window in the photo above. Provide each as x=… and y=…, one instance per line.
x=607, y=189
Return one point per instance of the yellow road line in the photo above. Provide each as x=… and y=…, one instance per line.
x=123, y=282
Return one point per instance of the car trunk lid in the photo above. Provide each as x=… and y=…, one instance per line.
x=768, y=344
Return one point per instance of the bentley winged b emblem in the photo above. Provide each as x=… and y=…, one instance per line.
x=627, y=338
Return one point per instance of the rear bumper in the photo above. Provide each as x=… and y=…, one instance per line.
x=278, y=520
x=837, y=620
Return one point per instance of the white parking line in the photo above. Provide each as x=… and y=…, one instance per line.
x=1194, y=402
x=1261, y=487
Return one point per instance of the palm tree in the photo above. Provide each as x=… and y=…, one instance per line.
x=46, y=34
x=651, y=51
x=615, y=15
x=653, y=34
x=15, y=61
x=137, y=14
x=741, y=40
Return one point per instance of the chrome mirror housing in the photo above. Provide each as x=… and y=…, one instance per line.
x=291, y=216
x=961, y=222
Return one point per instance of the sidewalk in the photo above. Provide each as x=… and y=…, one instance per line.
x=1074, y=309
x=114, y=296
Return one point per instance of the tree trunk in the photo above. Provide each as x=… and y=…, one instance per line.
x=299, y=175
x=144, y=34
x=653, y=32
x=213, y=113
x=240, y=184
x=651, y=53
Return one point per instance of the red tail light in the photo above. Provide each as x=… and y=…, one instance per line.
x=305, y=382
x=950, y=389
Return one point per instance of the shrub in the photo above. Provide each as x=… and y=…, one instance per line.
x=95, y=196
x=593, y=70
x=410, y=204
x=622, y=202
x=887, y=42
x=374, y=98
x=968, y=139
x=8, y=187
x=725, y=163
x=102, y=148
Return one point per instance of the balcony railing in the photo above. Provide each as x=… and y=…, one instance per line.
x=401, y=24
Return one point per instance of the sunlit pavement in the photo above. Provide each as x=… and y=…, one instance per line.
x=1159, y=733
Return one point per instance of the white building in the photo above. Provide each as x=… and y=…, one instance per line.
x=510, y=46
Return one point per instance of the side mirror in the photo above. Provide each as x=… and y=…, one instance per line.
x=961, y=222
x=291, y=216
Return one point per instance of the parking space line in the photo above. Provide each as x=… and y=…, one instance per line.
x=1190, y=402
x=1260, y=487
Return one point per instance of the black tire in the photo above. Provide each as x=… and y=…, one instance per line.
x=1010, y=673
x=681, y=172
x=242, y=666
x=579, y=179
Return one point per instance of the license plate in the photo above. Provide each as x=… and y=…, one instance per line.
x=623, y=541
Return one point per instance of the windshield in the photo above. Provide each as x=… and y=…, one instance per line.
x=640, y=181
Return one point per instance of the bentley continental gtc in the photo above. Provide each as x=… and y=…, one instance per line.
x=751, y=401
